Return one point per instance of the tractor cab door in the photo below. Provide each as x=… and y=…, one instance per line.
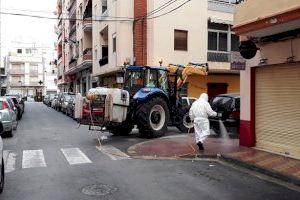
x=134, y=81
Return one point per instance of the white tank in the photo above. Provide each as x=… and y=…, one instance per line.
x=116, y=103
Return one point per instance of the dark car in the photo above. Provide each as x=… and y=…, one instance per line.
x=19, y=98
x=18, y=105
x=229, y=106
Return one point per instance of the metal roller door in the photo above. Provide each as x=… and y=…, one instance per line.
x=277, y=109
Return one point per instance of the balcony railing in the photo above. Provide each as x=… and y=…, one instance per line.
x=17, y=83
x=87, y=24
x=34, y=83
x=87, y=54
x=221, y=5
x=103, y=61
x=72, y=30
x=73, y=63
x=72, y=10
x=17, y=71
x=215, y=56
x=34, y=73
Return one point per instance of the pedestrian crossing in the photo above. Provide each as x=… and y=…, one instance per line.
x=72, y=156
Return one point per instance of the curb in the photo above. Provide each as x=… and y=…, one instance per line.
x=274, y=174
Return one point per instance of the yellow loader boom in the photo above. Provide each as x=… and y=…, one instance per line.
x=188, y=70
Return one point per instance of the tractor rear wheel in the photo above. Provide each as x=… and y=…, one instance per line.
x=152, y=118
x=186, y=125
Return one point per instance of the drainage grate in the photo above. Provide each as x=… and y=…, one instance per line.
x=99, y=190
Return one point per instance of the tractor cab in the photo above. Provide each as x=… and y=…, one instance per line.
x=137, y=78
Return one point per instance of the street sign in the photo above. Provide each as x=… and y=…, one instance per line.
x=237, y=61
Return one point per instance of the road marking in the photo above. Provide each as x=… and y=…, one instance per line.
x=75, y=156
x=113, y=152
x=9, y=161
x=33, y=158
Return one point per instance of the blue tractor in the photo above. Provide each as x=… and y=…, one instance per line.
x=149, y=99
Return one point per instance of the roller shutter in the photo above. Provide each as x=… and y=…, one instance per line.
x=277, y=109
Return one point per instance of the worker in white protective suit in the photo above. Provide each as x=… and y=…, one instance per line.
x=199, y=113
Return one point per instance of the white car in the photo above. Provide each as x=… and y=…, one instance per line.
x=188, y=100
x=2, y=162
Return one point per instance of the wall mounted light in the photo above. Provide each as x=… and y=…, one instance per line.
x=160, y=61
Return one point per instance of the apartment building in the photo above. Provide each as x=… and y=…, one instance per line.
x=157, y=32
x=74, y=45
x=99, y=36
x=25, y=71
x=270, y=84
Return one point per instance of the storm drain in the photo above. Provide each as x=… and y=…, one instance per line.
x=99, y=190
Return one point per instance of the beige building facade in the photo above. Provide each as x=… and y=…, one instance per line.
x=270, y=85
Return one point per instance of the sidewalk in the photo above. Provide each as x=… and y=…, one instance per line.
x=174, y=147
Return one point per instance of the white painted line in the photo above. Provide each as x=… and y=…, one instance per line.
x=9, y=161
x=113, y=152
x=75, y=156
x=33, y=158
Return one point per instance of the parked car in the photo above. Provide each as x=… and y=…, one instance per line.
x=46, y=99
x=229, y=106
x=65, y=102
x=188, y=101
x=60, y=99
x=20, y=99
x=2, y=161
x=18, y=105
x=8, y=115
x=51, y=97
x=54, y=102
x=71, y=106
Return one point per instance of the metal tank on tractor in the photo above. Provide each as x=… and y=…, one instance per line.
x=150, y=99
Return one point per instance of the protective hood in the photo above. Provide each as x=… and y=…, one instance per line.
x=204, y=97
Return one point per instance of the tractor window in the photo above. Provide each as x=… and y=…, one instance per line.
x=151, y=78
x=163, y=80
x=134, y=80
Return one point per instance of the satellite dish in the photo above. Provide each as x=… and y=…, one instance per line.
x=248, y=49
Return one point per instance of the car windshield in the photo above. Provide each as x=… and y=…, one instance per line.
x=192, y=101
x=222, y=103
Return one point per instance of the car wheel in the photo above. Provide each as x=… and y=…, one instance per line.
x=2, y=177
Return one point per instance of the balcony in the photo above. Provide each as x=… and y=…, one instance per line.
x=217, y=56
x=103, y=61
x=72, y=10
x=34, y=83
x=221, y=6
x=87, y=54
x=33, y=73
x=87, y=24
x=17, y=72
x=72, y=63
x=72, y=30
x=256, y=18
x=17, y=83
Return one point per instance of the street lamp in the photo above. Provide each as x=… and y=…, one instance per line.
x=160, y=61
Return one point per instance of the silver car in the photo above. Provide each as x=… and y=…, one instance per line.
x=2, y=162
x=8, y=115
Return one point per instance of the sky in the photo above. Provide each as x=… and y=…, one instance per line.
x=19, y=30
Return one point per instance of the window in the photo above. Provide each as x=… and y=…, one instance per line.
x=180, y=40
x=104, y=6
x=114, y=44
x=235, y=41
x=53, y=71
x=217, y=41
x=28, y=51
x=184, y=90
x=19, y=50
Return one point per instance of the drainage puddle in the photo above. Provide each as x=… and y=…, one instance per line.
x=99, y=190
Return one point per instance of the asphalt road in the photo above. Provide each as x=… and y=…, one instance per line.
x=50, y=158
